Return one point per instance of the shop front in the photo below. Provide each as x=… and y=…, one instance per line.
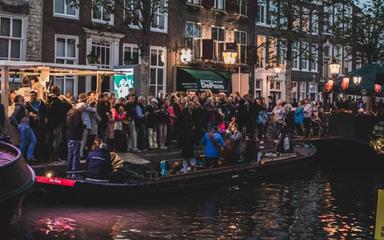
x=200, y=80
x=269, y=83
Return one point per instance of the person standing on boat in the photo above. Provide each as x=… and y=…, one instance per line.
x=235, y=137
x=141, y=123
x=307, y=117
x=99, y=161
x=188, y=149
x=74, y=129
x=213, y=144
x=38, y=115
x=20, y=119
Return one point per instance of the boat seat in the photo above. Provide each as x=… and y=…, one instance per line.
x=96, y=180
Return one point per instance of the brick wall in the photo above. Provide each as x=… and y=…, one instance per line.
x=35, y=31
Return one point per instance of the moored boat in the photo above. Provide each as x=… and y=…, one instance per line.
x=155, y=185
x=16, y=179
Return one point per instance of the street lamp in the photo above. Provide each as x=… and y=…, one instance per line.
x=357, y=80
x=230, y=56
x=334, y=67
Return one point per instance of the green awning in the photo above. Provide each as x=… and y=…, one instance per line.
x=192, y=79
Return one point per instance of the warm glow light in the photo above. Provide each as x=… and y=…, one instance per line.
x=377, y=88
x=356, y=80
x=334, y=67
x=229, y=57
x=329, y=86
x=345, y=83
x=49, y=174
x=277, y=69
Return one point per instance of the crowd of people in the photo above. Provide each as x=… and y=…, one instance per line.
x=53, y=126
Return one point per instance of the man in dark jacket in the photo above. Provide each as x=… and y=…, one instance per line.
x=74, y=129
x=56, y=116
x=21, y=120
x=140, y=122
x=102, y=110
x=99, y=161
x=38, y=115
x=188, y=149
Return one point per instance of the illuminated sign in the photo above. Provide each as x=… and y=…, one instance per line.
x=186, y=55
x=123, y=81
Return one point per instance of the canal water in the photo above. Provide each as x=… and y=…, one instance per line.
x=313, y=204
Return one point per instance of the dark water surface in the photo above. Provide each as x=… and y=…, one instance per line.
x=313, y=204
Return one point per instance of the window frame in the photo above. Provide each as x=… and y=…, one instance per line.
x=216, y=5
x=295, y=89
x=296, y=56
x=217, y=42
x=242, y=34
x=11, y=38
x=74, y=59
x=302, y=90
x=164, y=67
x=194, y=39
x=314, y=62
x=66, y=15
x=102, y=43
x=157, y=14
x=131, y=46
x=101, y=21
x=240, y=4
x=304, y=59
x=262, y=5
x=192, y=2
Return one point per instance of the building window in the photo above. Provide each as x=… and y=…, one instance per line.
x=132, y=12
x=160, y=17
x=282, y=53
x=261, y=17
x=295, y=56
x=131, y=54
x=11, y=38
x=312, y=91
x=274, y=88
x=101, y=14
x=102, y=52
x=271, y=15
x=314, y=27
x=314, y=58
x=218, y=36
x=305, y=20
x=65, y=8
x=194, y=2
x=66, y=52
x=243, y=7
x=219, y=4
x=158, y=65
x=328, y=19
x=241, y=41
x=294, y=90
x=258, y=88
x=338, y=53
x=303, y=91
x=261, y=51
x=193, y=38
x=304, y=56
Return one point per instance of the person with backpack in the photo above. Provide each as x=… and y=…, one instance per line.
x=261, y=120
x=213, y=144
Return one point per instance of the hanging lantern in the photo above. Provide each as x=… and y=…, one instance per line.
x=345, y=83
x=329, y=86
x=377, y=88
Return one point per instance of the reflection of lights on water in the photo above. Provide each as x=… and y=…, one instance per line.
x=57, y=225
x=336, y=224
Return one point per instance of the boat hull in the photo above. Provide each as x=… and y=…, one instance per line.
x=87, y=190
x=16, y=179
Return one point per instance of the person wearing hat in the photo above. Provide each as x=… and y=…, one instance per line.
x=37, y=111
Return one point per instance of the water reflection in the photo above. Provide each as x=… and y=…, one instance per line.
x=316, y=207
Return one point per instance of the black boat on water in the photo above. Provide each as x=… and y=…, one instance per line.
x=16, y=179
x=155, y=186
